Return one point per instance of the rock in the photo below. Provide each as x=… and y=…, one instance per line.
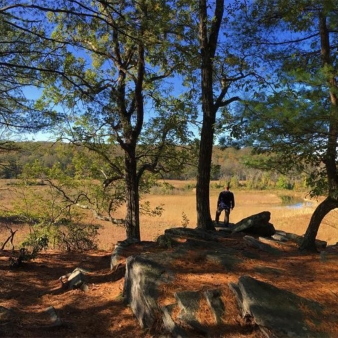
x=141, y=288
x=55, y=319
x=256, y=225
x=205, y=235
x=273, y=241
x=75, y=280
x=169, y=323
x=320, y=244
x=279, y=237
x=189, y=302
x=213, y=298
x=164, y=241
x=280, y=311
x=298, y=239
x=293, y=237
x=259, y=245
x=117, y=257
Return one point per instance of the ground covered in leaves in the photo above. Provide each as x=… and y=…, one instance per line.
x=28, y=290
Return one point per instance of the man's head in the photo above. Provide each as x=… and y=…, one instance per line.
x=227, y=187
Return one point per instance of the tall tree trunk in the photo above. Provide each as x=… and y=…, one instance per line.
x=132, y=220
x=321, y=211
x=204, y=220
x=131, y=135
x=208, y=44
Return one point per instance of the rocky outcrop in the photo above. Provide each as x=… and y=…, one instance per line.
x=277, y=312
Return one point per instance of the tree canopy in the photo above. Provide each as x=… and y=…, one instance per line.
x=296, y=120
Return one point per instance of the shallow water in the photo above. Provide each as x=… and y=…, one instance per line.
x=299, y=205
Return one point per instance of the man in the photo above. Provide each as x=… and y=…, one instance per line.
x=226, y=201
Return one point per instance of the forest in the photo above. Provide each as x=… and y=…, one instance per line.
x=155, y=89
x=229, y=165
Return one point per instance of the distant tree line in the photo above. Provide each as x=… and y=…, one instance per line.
x=228, y=165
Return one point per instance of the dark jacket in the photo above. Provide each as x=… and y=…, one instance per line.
x=226, y=200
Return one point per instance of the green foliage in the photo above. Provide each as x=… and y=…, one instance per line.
x=189, y=186
x=117, y=96
x=39, y=161
x=53, y=221
x=37, y=240
x=67, y=237
x=218, y=185
x=146, y=209
x=163, y=188
x=54, y=210
x=234, y=182
x=77, y=237
x=283, y=183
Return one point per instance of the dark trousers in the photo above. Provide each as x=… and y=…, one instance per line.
x=226, y=215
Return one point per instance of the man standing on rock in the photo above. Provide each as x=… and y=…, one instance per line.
x=226, y=201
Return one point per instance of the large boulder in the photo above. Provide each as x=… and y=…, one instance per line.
x=256, y=225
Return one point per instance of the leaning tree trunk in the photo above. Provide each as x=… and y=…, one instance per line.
x=132, y=220
x=309, y=241
x=331, y=201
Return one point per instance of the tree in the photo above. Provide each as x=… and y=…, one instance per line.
x=220, y=71
x=297, y=122
x=116, y=54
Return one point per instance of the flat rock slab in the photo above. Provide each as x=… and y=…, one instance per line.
x=260, y=245
x=268, y=270
x=189, y=233
x=277, y=310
